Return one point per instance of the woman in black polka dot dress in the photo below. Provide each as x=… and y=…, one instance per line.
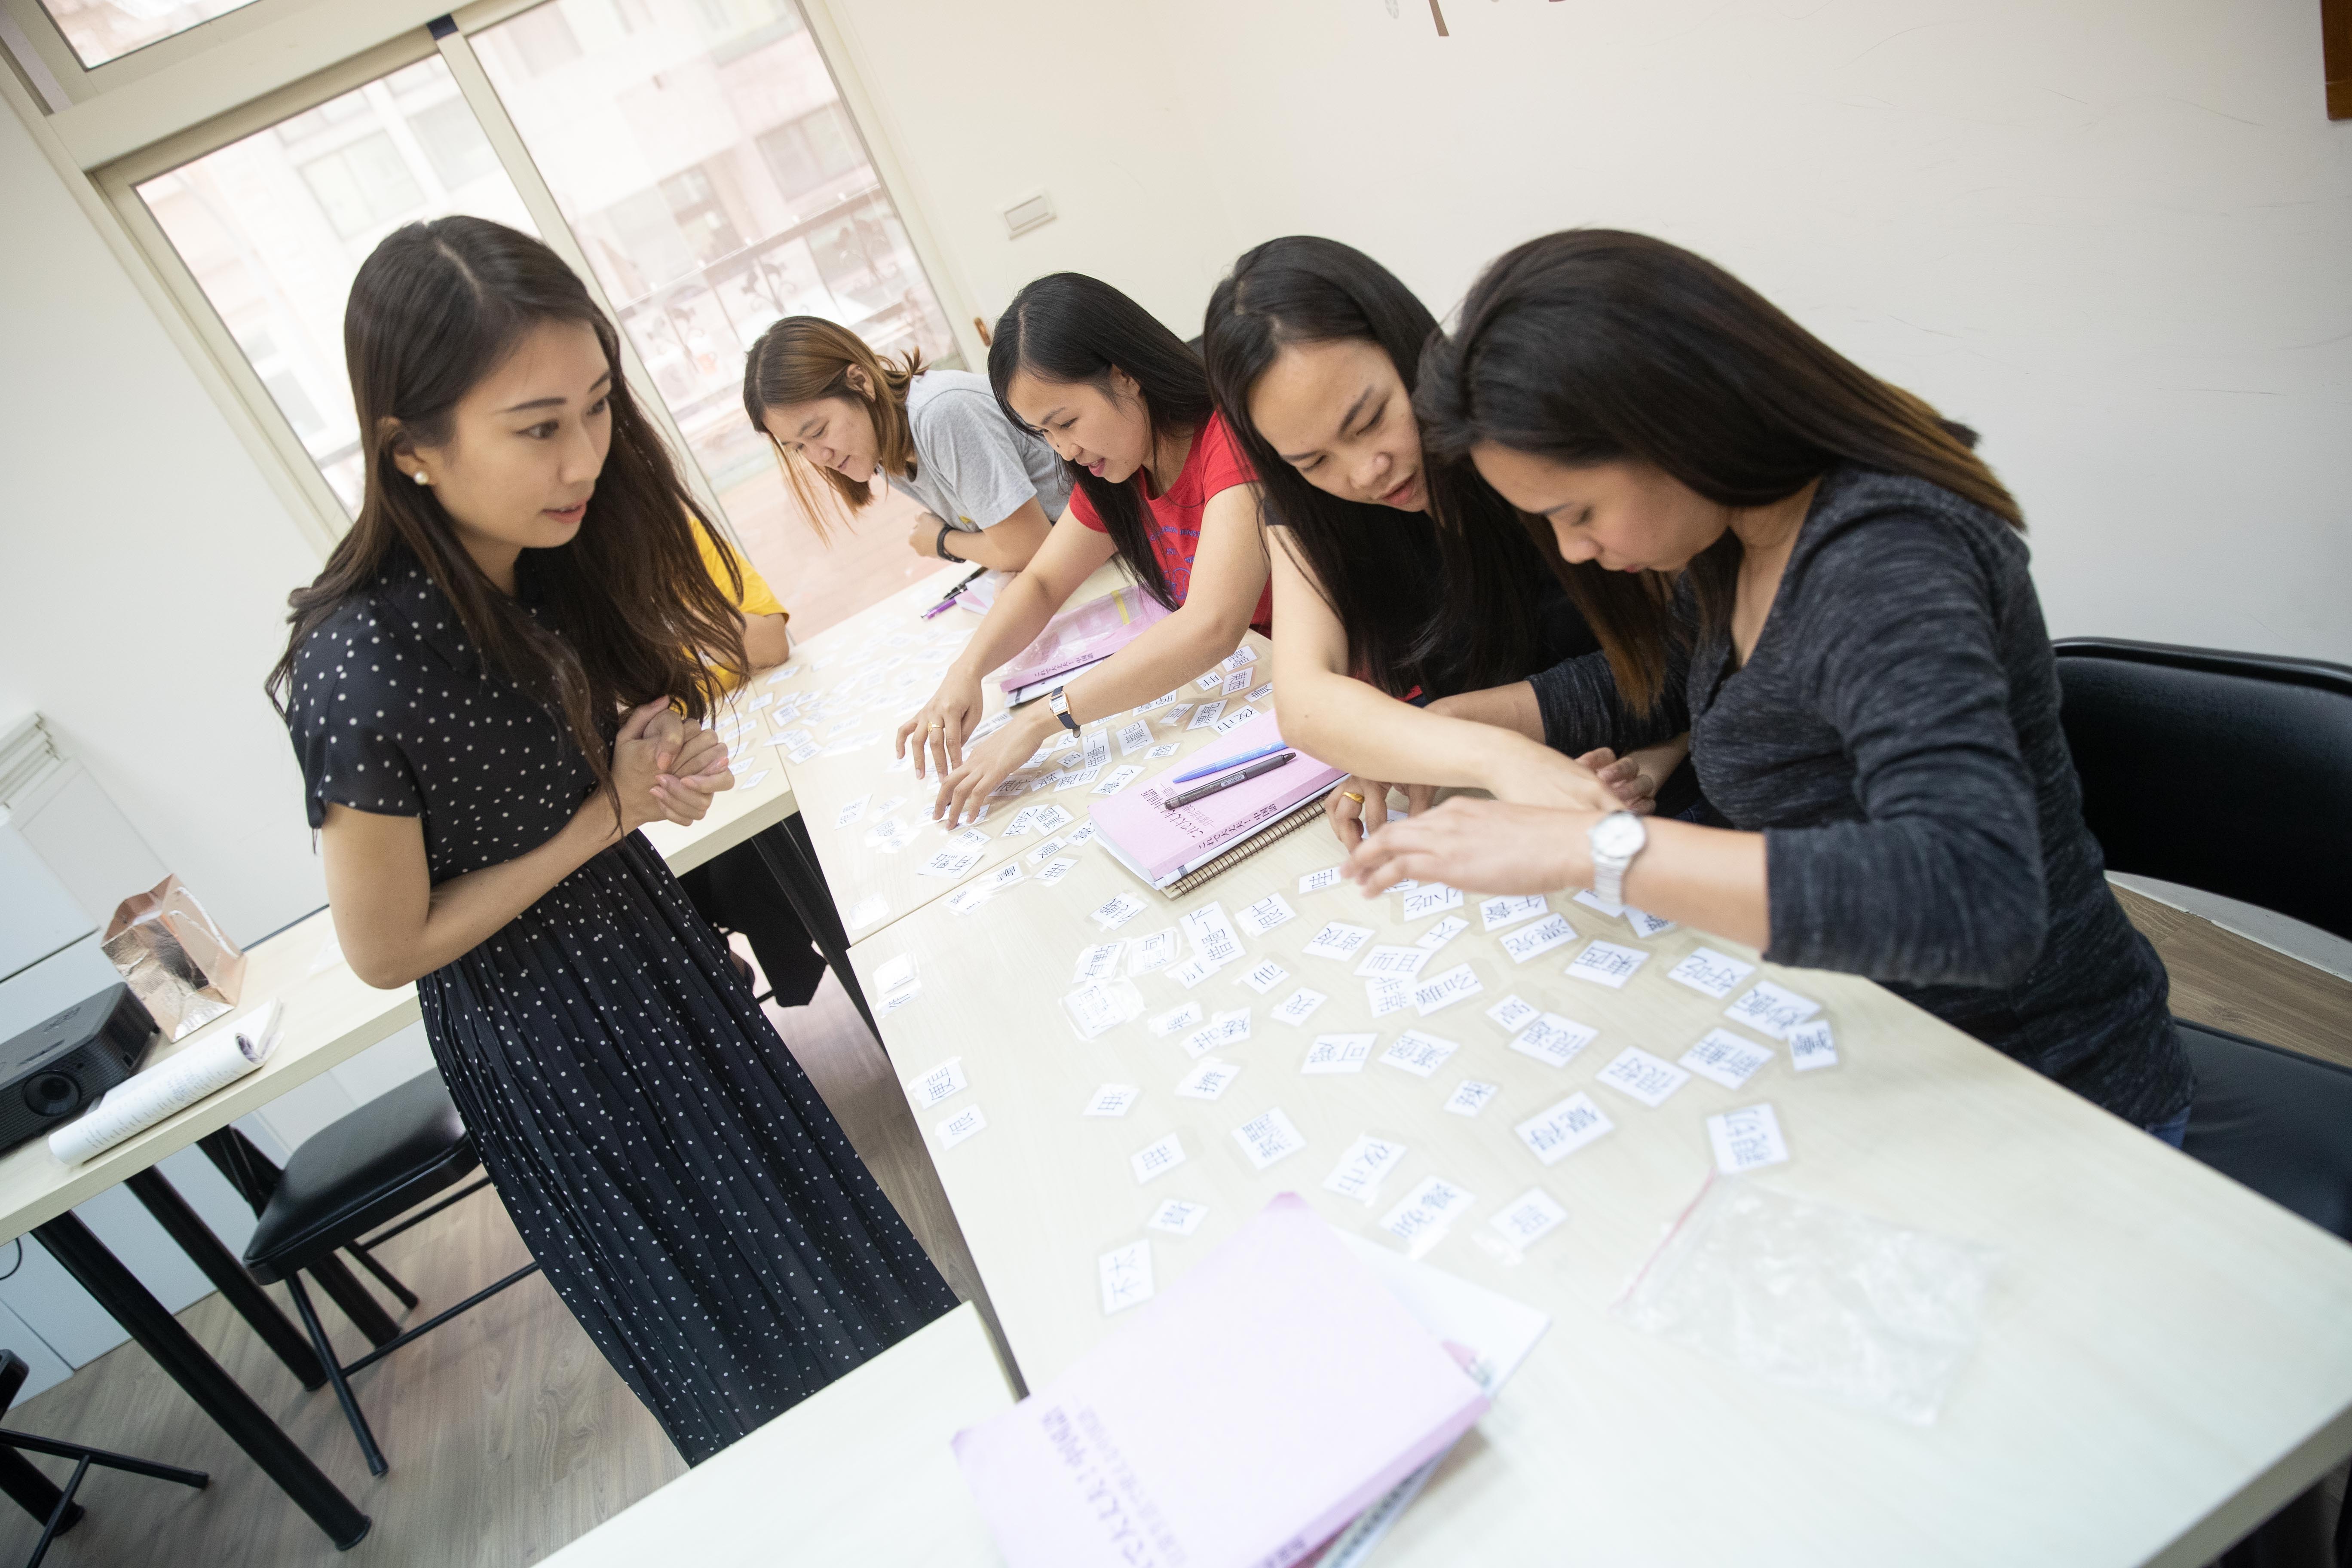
x=484, y=690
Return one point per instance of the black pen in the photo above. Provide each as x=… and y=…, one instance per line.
x=1190, y=795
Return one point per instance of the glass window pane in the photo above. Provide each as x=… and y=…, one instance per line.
x=102, y=30
x=273, y=228
x=703, y=156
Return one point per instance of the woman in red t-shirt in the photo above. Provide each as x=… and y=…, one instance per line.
x=1160, y=484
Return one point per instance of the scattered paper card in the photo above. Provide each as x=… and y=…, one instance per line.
x=1164, y=750
x=1400, y=963
x=1710, y=972
x=1191, y=972
x=960, y=1126
x=1263, y=916
x=1236, y=683
x=1098, y=962
x=1812, y=1045
x=1529, y=941
x=1121, y=908
x=1125, y=1277
x=1427, y=1211
x=1726, y=1058
x=1497, y=913
x=1440, y=933
x=1528, y=1218
x=1121, y=777
x=941, y=1082
x=1208, y=1080
x=1158, y=951
x=1315, y=881
x=1134, y=737
x=1441, y=991
x=1298, y=1006
x=1337, y=941
x=1770, y=1009
x=949, y=862
x=1112, y=1100
x=1388, y=995
x=1234, y=719
x=1418, y=1054
x=1553, y=1135
x=1264, y=976
x=1513, y=1013
x=1337, y=1053
x=1470, y=1097
x=1096, y=1006
x=1212, y=936
x=1205, y=717
x=1177, y=1218
x=1642, y=1077
x=1746, y=1139
x=1177, y=1020
x=1554, y=1040
x=866, y=911
x=1357, y=1174
x=1045, y=850
x=1430, y=898
x=851, y=812
x=1268, y=1138
x=1156, y=1160
x=1606, y=963
x=1054, y=871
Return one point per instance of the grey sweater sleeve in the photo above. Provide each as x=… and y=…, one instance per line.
x=1582, y=709
x=1942, y=879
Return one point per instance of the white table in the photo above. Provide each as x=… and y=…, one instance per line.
x=2165, y=1358
x=859, y=1472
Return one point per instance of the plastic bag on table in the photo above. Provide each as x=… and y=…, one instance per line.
x=1816, y=1297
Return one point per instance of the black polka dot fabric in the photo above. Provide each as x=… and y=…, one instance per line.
x=689, y=1195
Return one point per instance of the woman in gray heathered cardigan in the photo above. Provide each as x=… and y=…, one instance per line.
x=1821, y=581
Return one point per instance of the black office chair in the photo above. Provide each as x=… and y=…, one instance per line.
x=43, y=1498
x=380, y=1160
x=2231, y=772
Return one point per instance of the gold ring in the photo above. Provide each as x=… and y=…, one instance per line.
x=938, y=723
x=1351, y=794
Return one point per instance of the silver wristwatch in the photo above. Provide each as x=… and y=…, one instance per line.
x=1616, y=839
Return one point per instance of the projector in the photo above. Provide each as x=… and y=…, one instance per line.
x=57, y=1069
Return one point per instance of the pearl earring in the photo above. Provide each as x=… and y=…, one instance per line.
x=419, y=476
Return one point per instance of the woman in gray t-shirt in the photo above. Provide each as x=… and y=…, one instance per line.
x=989, y=490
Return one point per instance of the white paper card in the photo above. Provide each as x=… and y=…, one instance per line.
x=1441, y=991
x=1430, y=1208
x=1100, y=962
x=1513, y=1013
x=1298, y=1006
x=1158, y=951
x=1177, y=1218
x=949, y=862
x=1315, y=881
x=1126, y=1275
x=1357, y=1174
x=1208, y=1080
x=1638, y=1074
x=1213, y=940
x=1430, y=899
x=1156, y=1160
x=1440, y=933
x=1121, y=777
x=1121, y=908
x=1268, y=1138
x=1388, y=995
x=1095, y=1007
x=1746, y=1139
x=938, y=1084
x=1265, y=975
x=1056, y=870
x=1177, y=1020
x=1401, y=962
x=1205, y=717
x=1470, y=1097
x=960, y=1126
x=1337, y=1053
x=1112, y=1100
x=1234, y=719
x=1554, y=1040
x=1263, y=916
x=1710, y=973
x=1726, y=1058
x=1529, y=1217
x=1606, y=963
x=1191, y=972
x=1418, y=1054
x=1770, y=1009
x=1497, y=913
x=1135, y=738
x=1554, y=1135
x=851, y=812
x=1810, y=1046
x=1528, y=942
x=1338, y=940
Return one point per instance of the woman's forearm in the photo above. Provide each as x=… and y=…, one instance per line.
x=1354, y=725
x=1021, y=609
x=1168, y=654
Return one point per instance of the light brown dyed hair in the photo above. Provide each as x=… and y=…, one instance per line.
x=804, y=358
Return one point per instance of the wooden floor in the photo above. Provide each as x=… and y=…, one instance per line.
x=509, y=1435
x=822, y=582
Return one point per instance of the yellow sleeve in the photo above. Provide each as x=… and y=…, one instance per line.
x=756, y=598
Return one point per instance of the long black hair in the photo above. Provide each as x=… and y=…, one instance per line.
x=1598, y=346
x=1479, y=624
x=1067, y=327
x=434, y=308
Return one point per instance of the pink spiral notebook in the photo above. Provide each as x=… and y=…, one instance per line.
x=1258, y=1404
x=1160, y=846
x=1076, y=638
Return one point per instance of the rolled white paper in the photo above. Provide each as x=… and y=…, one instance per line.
x=141, y=1100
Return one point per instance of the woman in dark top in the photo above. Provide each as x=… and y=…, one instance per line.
x=1394, y=577
x=1823, y=583
x=521, y=572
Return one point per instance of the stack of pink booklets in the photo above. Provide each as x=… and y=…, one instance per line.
x=1273, y=1395
x=1076, y=638
x=1162, y=846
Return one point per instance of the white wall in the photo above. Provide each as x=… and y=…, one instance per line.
x=2115, y=234
x=144, y=564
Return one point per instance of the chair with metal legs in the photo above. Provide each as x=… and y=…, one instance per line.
x=42, y=1498
x=376, y=1164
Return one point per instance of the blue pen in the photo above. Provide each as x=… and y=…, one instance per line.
x=1218, y=767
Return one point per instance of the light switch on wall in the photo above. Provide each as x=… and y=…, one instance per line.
x=1030, y=212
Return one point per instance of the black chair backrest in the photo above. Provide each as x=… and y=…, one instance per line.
x=2226, y=772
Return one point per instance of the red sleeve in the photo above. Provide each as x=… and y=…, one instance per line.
x=1084, y=510
x=1224, y=464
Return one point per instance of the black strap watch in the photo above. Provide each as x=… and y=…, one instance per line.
x=940, y=548
x=1060, y=705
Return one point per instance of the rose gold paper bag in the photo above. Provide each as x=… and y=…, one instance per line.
x=177, y=962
